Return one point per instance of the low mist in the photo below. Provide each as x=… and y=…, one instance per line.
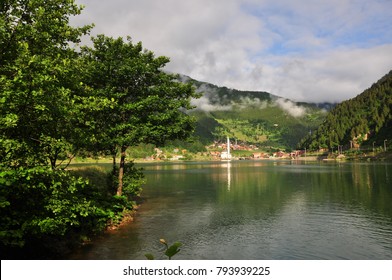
x=210, y=101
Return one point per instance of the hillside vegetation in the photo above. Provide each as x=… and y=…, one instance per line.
x=360, y=121
x=258, y=118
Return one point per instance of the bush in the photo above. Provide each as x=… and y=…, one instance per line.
x=40, y=204
x=38, y=201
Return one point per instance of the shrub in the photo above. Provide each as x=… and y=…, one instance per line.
x=39, y=206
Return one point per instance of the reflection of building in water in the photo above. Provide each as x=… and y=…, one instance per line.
x=228, y=175
x=226, y=155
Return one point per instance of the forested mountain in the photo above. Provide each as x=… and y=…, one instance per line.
x=251, y=117
x=363, y=120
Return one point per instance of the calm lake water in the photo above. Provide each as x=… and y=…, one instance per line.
x=259, y=210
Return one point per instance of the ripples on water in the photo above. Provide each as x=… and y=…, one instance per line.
x=259, y=210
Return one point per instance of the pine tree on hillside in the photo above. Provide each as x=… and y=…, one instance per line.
x=360, y=120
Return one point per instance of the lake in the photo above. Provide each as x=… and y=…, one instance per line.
x=258, y=210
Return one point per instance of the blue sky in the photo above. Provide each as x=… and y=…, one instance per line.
x=314, y=51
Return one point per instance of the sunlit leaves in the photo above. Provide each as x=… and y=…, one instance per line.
x=39, y=78
x=146, y=98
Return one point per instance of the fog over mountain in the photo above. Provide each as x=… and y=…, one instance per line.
x=211, y=100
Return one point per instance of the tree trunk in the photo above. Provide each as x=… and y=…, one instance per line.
x=121, y=171
x=53, y=163
x=114, y=163
x=114, y=185
x=53, y=160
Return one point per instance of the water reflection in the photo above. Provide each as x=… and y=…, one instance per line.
x=228, y=175
x=260, y=210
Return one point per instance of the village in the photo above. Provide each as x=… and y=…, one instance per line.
x=219, y=151
x=224, y=151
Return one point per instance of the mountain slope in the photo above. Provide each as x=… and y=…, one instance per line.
x=363, y=120
x=258, y=118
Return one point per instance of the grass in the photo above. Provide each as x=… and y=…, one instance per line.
x=96, y=175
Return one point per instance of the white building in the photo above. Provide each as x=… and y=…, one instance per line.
x=226, y=155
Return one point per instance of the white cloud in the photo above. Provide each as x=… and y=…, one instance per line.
x=332, y=76
x=254, y=102
x=304, y=50
x=210, y=101
x=204, y=104
x=291, y=108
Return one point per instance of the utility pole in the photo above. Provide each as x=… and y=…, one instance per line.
x=385, y=145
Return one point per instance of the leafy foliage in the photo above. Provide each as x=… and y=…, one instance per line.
x=146, y=101
x=38, y=81
x=40, y=204
x=39, y=201
x=170, y=251
x=57, y=99
x=147, y=104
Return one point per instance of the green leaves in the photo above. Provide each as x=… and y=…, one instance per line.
x=32, y=197
x=170, y=251
x=57, y=100
x=38, y=80
x=145, y=99
x=149, y=256
x=40, y=202
x=173, y=250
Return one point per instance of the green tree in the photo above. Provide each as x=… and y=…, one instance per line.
x=41, y=105
x=38, y=81
x=146, y=104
